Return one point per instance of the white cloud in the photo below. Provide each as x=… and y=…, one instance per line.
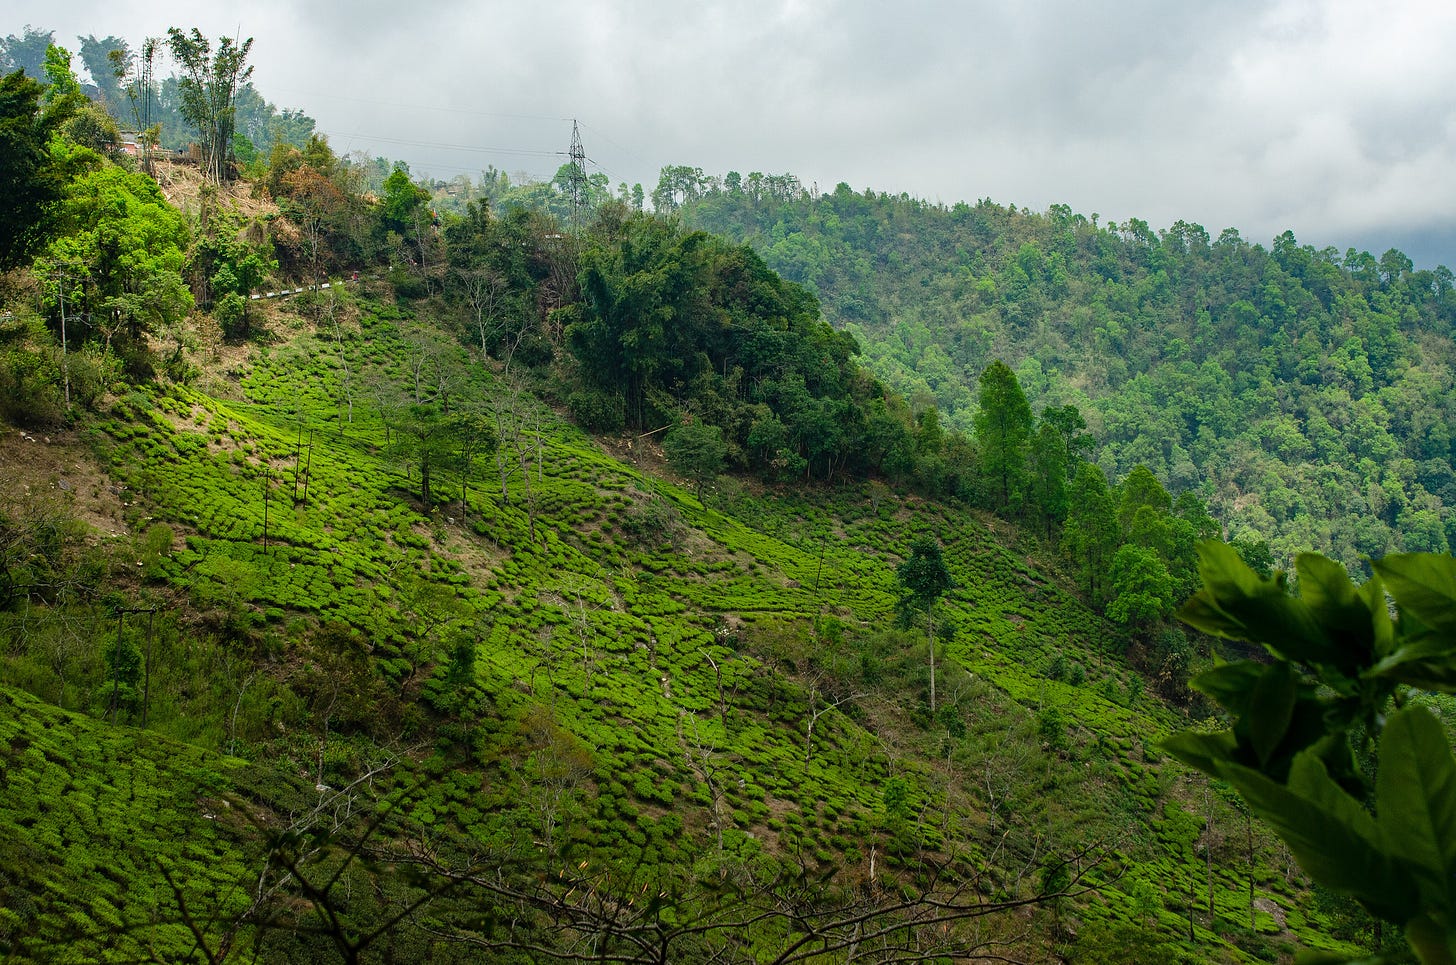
x=1335, y=119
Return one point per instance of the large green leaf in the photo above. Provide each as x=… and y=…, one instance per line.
x=1202, y=612
x=1202, y=751
x=1271, y=709
x=1329, y=833
x=1415, y=798
x=1426, y=662
x=1423, y=584
x=1225, y=573
x=1231, y=684
x=1237, y=603
x=1381, y=625
x=1324, y=584
x=1342, y=611
x=1434, y=945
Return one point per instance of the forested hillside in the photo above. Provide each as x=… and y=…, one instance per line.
x=1305, y=394
x=549, y=580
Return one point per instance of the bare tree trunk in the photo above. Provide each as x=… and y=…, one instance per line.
x=930, y=632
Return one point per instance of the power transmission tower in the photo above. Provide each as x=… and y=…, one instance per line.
x=578, y=177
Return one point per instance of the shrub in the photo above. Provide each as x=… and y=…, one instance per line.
x=31, y=389
x=231, y=312
x=597, y=411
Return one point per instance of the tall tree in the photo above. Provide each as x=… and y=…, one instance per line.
x=924, y=579
x=1141, y=489
x=107, y=60
x=1072, y=427
x=32, y=179
x=209, y=87
x=1049, y=464
x=26, y=52
x=1091, y=535
x=1003, y=430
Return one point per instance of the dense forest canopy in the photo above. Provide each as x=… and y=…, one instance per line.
x=1305, y=394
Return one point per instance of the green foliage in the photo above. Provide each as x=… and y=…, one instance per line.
x=923, y=576
x=1091, y=537
x=695, y=450
x=1292, y=750
x=119, y=233
x=1141, y=590
x=1280, y=382
x=208, y=87
x=1003, y=430
x=32, y=178
x=669, y=317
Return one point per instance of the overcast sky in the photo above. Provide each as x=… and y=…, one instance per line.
x=1334, y=119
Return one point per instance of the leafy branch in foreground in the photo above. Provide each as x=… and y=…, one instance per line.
x=1303, y=722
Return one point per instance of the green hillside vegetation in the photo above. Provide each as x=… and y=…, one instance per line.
x=565, y=589
x=644, y=682
x=1304, y=394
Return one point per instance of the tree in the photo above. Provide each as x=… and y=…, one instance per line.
x=475, y=436
x=123, y=234
x=238, y=269
x=107, y=61
x=1067, y=420
x=317, y=206
x=636, y=306
x=1302, y=720
x=208, y=88
x=32, y=179
x=1091, y=535
x=26, y=52
x=1141, y=589
x=923, y=580
x=1141, y=488
x=61, y=80
x=425, y=437
x=1003, y=430
x=696, y=450
x=135, y=72
x=88, y=124
x=1049, y=463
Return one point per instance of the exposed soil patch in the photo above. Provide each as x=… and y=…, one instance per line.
x=182, y=185
x=36, y=464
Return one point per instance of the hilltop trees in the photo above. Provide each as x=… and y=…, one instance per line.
x=670, y=318
x=32, y=179
x=1279, y=381
x=208, y=88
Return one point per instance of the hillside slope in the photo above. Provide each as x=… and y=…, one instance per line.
x=562, y=660
x=1305, y=394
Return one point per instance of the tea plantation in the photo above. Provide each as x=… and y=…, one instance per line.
x=304, y=700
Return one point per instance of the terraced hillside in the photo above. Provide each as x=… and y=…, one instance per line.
x=562, y=666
